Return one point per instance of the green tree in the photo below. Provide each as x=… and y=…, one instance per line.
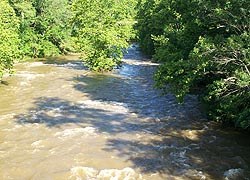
x=52, y=25
x=8, y=37
x=204, y=48
x=102, y=30
x=44, y=26
x=26, y=13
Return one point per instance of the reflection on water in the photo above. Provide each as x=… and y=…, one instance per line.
x=60, y=121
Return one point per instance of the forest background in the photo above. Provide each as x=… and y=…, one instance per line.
x=203, y=46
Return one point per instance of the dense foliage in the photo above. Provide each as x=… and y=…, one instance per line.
x=102, y=30
x=8, y=37
x=44, y=26
x=204, y=48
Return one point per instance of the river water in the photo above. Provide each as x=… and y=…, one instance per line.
x=59, y=121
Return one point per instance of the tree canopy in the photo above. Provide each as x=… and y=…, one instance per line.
x=44, y=26
x=102, y=30
x=204, y=49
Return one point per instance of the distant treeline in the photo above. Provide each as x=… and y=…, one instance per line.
x=203, y=45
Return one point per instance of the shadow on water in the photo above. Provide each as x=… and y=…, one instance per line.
x=46, y=111
x=131, y=85
x=174, y=140
x=183, y=148
x=56, y=112
x=70, y=62
x=136, y=55
x=192, y=152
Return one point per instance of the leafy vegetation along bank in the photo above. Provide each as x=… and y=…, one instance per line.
x=204, y=48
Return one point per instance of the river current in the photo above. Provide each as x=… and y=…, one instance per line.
x=60, y=121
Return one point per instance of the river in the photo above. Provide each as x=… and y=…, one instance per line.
x=59, y=121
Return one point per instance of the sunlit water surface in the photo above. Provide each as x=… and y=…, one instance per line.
x=60, y=121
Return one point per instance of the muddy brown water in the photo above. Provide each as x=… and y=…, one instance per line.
x=60, y=121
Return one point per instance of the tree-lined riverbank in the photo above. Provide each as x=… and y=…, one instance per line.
x=203, y=46
x=58, y=120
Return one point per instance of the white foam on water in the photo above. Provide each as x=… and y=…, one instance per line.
x=24, y=84
x=37, y=144
x=69, y=133
x=83, y=173
x=136, y=62
x=71, y=65
x=29, y=76
x=88, y=173
x=36, y=64
x=111, y=105
x=7, y=116
x=232, y=174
